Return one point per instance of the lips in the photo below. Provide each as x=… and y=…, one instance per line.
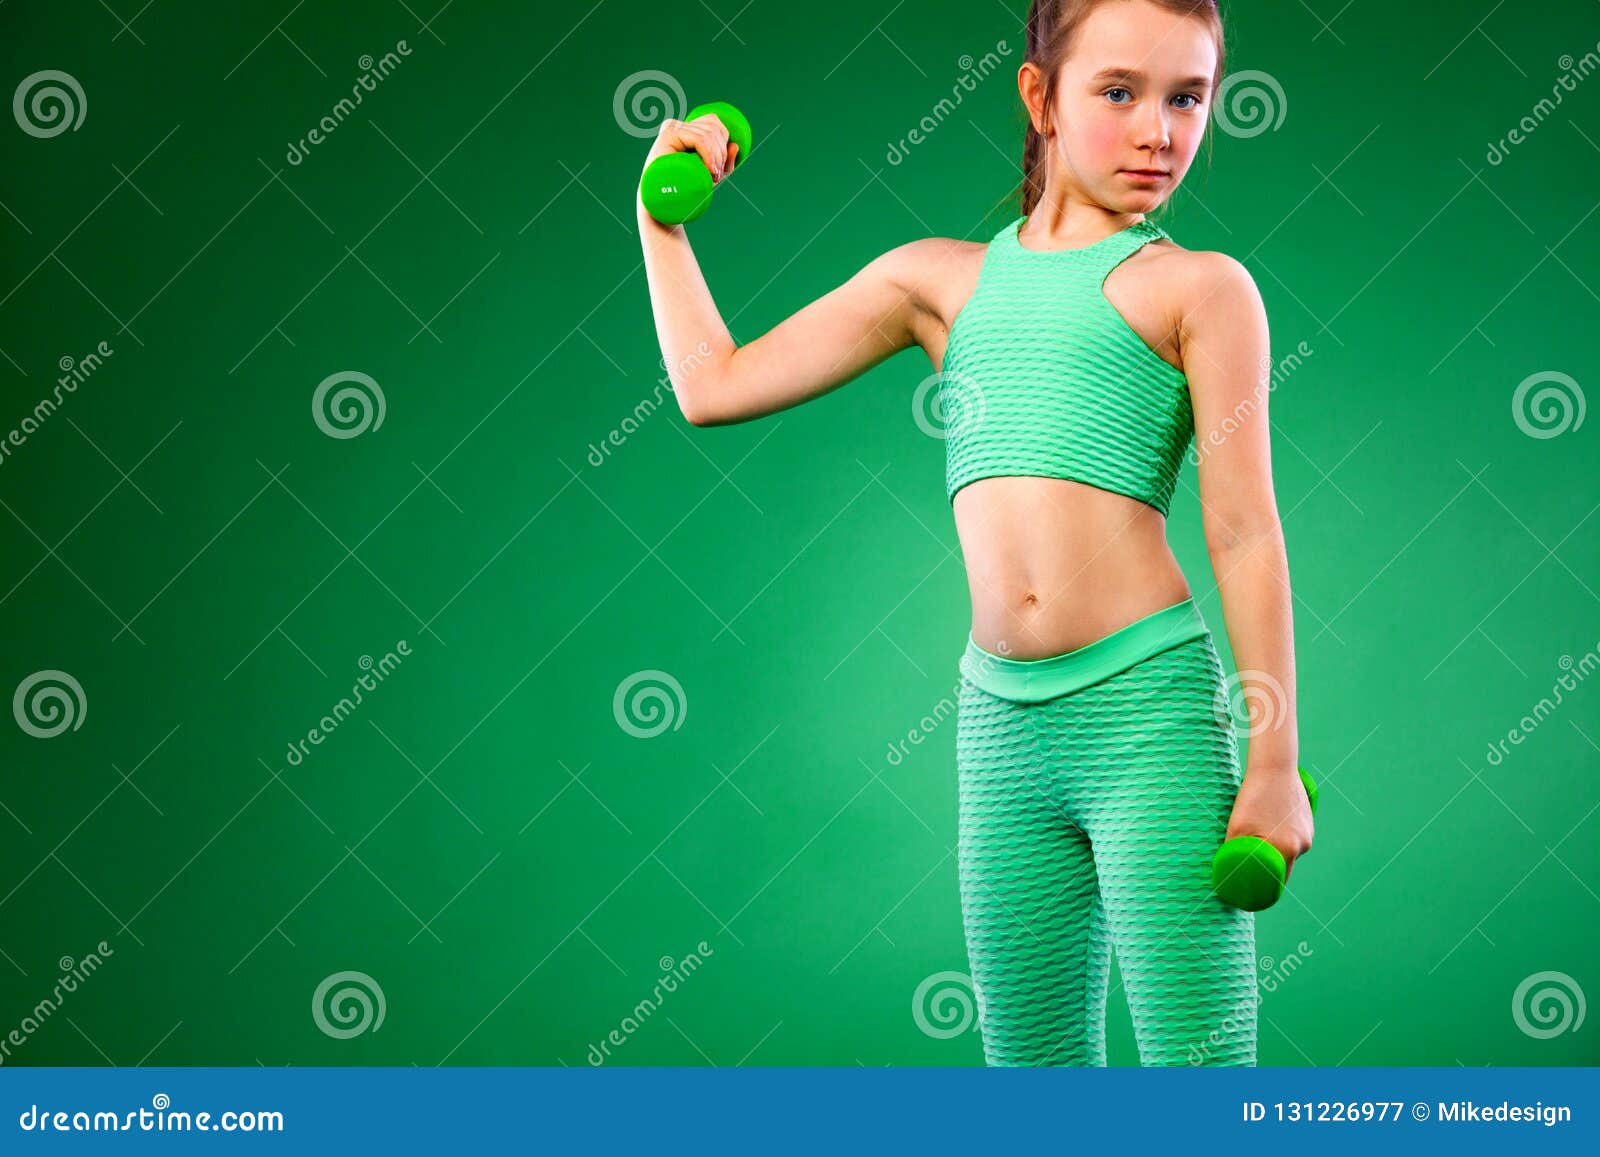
x=1151, y=173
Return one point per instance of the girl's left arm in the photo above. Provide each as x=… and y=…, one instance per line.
x=1227, y=359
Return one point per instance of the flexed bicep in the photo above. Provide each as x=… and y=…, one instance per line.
x=820, y=347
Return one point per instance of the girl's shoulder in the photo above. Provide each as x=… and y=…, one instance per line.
x=1191, y=267
x=935, y=272
x=1184, y=278
x=916, y=260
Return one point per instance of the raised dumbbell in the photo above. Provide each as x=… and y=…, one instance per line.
x=1247, y=871
x=677, y=187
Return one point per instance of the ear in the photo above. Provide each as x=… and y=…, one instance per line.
x=1030, y=83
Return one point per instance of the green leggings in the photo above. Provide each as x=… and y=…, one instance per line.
x=1095, y=787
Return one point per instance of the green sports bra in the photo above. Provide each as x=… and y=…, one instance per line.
x=1042, y=376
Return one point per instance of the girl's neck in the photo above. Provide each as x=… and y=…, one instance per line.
x=1067, y=223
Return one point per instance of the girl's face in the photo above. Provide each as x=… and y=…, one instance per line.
x=1132, y=98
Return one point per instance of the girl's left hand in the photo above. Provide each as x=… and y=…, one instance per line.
x=1273, y=805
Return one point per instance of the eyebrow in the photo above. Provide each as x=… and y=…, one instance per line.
x=1117, y=73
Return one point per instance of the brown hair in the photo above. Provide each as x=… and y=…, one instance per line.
x=1051, y=27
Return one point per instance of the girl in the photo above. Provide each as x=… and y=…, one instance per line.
x=1078, y=353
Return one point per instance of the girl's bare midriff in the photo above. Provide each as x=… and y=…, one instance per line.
x=1053, y=564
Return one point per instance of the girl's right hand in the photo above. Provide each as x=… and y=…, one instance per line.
x=705, y=135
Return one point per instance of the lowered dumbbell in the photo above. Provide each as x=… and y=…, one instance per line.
x=1247, y=871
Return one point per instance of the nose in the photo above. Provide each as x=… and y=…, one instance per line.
x=1151, y=130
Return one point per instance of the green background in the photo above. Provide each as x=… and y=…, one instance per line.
x=482, y=837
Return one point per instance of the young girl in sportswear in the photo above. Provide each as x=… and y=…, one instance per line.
x=1079, y=352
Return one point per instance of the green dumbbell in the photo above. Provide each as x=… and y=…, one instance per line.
x=1247, y=871
x=677, y=187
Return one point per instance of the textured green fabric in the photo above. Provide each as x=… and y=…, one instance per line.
x=1087, y=824
x=1042, y=376
x=1035, y=680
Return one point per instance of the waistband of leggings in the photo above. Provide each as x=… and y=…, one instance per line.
x=1035, y=680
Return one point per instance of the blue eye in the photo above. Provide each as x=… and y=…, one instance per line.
x=1189, y=96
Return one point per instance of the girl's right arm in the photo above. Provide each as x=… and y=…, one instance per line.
x=836, y=338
